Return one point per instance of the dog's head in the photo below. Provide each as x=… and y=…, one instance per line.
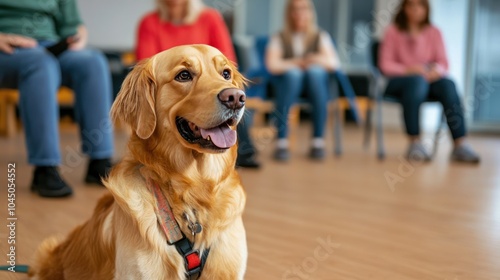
x=192, y=92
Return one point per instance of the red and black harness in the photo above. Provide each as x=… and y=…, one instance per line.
x=193, y=261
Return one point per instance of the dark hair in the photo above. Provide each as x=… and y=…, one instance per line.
x=401, y=20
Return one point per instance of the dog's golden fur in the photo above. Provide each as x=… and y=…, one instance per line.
x=122, y=240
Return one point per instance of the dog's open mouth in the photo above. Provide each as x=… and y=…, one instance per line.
x=220, y=137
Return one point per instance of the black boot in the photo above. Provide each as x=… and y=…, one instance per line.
x=98, y=169
x=48, y=183
x=247, y=161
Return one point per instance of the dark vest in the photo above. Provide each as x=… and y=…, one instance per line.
x=312, y=48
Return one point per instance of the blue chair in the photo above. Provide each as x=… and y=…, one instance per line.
x=379, y=96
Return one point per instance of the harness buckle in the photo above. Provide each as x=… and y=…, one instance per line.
x=192, y=263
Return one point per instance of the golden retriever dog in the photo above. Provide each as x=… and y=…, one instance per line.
x=183, y=106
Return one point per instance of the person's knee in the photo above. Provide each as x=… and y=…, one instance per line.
x=446, y=82
x=317, y=81
x=448, y=90
x=294, y=74
x=418, y=85
x=447, y=85
x=41, y=61
x=89, y=60
x=417, y=80
x=316, y=71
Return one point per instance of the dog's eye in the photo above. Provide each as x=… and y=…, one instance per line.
x=226, y=74
x=184, y=76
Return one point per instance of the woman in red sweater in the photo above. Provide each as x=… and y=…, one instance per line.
x=182, y=22
x=413, y=56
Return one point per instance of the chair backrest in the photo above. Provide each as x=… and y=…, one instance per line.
x=251, y=56
x=261, y=46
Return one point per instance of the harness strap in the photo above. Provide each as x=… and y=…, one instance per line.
x=165, y=216
x=193, y=262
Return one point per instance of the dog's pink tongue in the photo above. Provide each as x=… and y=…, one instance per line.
x=222, y=136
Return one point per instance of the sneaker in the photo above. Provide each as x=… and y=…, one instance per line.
x=97, y=170
x=464, y=153
x=282, y=154
x=48, y=183
x=417, y=152
x=317, y=153
x=247, y=162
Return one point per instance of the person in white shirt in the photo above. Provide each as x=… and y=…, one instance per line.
x=301, y=57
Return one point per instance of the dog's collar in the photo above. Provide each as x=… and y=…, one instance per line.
x=193, y=262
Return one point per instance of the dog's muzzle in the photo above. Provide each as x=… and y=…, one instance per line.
x=232, y=98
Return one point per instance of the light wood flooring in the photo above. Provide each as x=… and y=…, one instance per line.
x=441, y=221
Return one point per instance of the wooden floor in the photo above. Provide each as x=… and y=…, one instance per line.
x=341, y=219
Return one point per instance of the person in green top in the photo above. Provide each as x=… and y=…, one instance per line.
x=28, y=28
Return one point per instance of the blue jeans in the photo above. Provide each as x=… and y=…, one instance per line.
x=414, y=90
x=38, y=75
x=290, y=85
x=245, y=144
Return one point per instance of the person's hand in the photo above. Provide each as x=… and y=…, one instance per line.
x=9, y=41
x=311, y=59
x=433, y=74
x=79, y=41
x=417, y=70
x=299, y=62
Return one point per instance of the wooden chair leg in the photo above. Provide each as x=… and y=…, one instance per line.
x=259, y=118
x=8, y=100
x=363, y=106
x=11, y=120
x=3, y=116
x=293, y=124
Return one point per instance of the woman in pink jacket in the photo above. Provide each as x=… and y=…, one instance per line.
x=413, y=56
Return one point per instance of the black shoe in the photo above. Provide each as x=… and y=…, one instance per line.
x=98, y=169
x=247, y=162
x=282, y=154
x=48, y=183
x=317, y=153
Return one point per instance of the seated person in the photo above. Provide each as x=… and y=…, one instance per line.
x=413, y=56
x=26, y=28
x=184, y=22
x=300, y=57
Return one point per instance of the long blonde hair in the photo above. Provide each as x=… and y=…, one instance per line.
x=312, y=30
x=194, y=8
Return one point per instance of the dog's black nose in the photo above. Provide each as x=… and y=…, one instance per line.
x=232, y=98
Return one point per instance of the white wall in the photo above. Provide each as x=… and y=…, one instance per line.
x=113, y=23
x=277, y=8
x=451, y=16
x=383, y=14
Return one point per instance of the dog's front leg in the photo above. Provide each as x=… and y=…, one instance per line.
x=228, y=256
x=136, y=263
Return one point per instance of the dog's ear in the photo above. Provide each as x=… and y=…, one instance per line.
x=238, y=80
x=135, y=103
